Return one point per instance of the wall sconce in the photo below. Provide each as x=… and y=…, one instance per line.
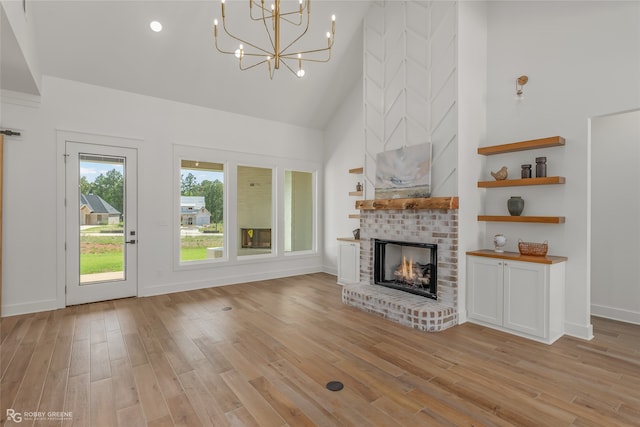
x=520, y=82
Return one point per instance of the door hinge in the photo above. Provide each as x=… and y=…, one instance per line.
x=64, y=156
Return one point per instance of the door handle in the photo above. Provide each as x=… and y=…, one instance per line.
x=131, y=242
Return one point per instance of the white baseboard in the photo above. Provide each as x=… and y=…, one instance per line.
x=613, y=313
x=29, y=307
x=330, y=270
x=584, y=332
x=222, y=281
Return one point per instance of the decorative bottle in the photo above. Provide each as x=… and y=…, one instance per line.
x=541, y=167
x=526, y=171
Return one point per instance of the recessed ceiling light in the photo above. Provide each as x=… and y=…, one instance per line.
x=156, y=26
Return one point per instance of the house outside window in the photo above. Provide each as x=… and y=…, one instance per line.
x=201, y=211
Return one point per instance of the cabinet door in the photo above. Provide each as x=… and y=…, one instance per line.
x=348, y=263
x=485, y=289
x=525, y=296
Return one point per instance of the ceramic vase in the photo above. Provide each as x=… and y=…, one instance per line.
x=515, y=205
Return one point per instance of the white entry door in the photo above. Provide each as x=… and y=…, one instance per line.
x=101, y=214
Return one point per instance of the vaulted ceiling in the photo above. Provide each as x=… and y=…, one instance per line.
x=110, y=44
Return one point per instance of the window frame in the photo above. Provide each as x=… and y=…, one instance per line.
x=230, y=161
x=314, y=209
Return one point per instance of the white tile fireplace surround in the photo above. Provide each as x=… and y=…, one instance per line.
x=439, y=226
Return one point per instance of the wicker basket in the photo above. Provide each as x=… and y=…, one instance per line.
x=534, y=249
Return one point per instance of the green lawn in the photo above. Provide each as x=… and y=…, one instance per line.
x=101, y=254
x=101, y=262
x=193, y=248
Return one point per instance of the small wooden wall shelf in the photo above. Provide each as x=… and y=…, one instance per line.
x=354, y=216
x=536, y=219
x=548, y=180
x=553, y=141
x=348, y=239
x=401, y=204
x=357, y=170
x=355, y=193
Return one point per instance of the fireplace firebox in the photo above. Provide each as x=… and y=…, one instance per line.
x=407, y=266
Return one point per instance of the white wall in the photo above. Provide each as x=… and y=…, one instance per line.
x=410, y=77
x=343, y=150
x=615, y=209
x=21, y=70
x=32, y=194
x=582, y=61
x=472, y=132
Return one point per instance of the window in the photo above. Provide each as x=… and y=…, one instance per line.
x=255, y=210
x=270, y=212
x=201, y=210
x=298, y=211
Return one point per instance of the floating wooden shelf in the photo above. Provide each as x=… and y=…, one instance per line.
x=355, y=193
x=553, y=141
x=354, y=216
x=515, y=256
x=400, y=204
x=519, y=182
x=348, y=239
x=356, y=170
x=508, y=218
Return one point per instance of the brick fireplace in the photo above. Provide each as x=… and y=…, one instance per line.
x=409, y=223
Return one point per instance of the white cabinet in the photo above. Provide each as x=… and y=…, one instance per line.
x=348, y=262
x=485, y=289
x=524, y=298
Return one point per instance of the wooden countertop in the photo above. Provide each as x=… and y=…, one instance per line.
x=515, y=256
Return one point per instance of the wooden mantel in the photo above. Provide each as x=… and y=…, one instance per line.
x=409, y=204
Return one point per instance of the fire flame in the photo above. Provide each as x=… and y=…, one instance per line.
x=407, y=269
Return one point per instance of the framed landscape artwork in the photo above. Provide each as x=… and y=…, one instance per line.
x=404, y=173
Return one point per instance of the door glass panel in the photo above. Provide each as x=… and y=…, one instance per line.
x=254, y=210
x=298, y=211
x=201, y=210
x=102, y=208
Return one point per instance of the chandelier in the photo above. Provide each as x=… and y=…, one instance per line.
x=251, y=55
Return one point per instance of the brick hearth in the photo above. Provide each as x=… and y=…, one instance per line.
x=437, y=226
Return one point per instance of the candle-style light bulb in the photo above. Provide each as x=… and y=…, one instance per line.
x=300, y=72
x=239, y=52
x=215, y=28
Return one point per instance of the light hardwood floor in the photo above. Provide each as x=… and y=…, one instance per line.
x=184, y=359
